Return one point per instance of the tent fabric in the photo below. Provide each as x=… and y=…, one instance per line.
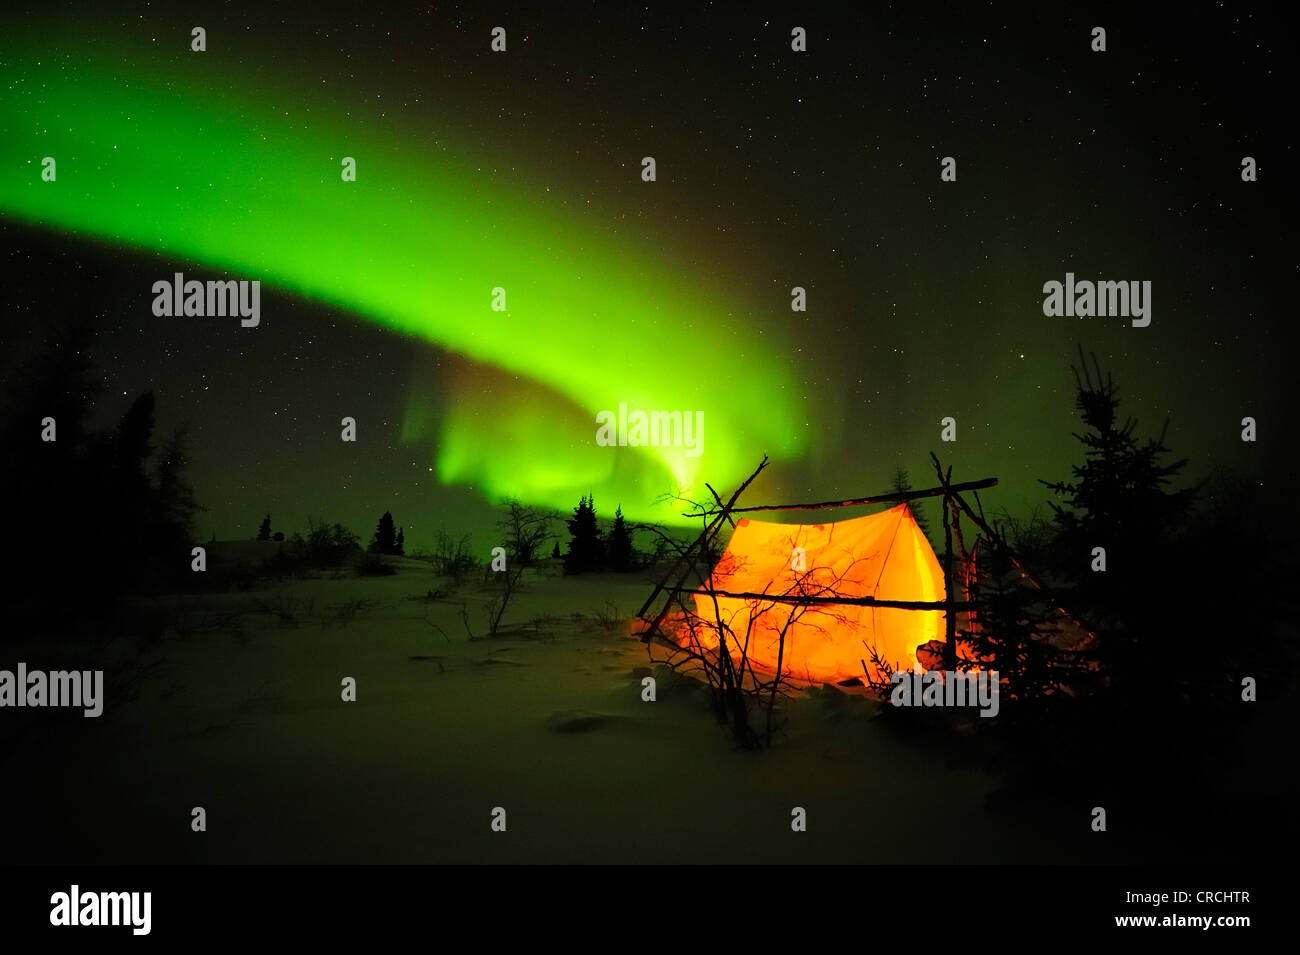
x=884, y=555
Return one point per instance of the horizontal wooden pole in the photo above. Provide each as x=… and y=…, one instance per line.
x=878, y=499
x=853, y=601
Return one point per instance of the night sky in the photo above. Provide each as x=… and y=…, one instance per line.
x=775, y=169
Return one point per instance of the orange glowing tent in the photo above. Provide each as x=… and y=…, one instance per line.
x=884, y=556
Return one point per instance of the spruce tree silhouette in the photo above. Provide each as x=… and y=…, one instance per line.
x=586, y=550
x=86, y=492
x=619, y=548
x=176, y=506
x=900, y=484
x=1120, y=500
x=49, y=480
x=385, y=539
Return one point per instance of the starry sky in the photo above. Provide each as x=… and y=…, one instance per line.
x=775, y=169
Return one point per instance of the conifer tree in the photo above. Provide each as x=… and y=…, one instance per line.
x=586, y=549
x=1119, y=501
x=619, y=549
x=176, y=501
x=385, y=539
x=900, y=484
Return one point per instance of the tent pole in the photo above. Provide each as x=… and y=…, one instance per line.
x=854, y=502
x=950, y=614
x=803, y=600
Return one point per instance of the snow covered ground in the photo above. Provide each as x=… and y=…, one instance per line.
x=546, y=721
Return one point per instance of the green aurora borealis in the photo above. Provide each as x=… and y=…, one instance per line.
x=477, y=170
x=417, y=245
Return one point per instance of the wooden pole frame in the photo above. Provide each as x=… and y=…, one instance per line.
x=721, y=514
x=832, y=601
x=897, y=498
x=950, y=603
